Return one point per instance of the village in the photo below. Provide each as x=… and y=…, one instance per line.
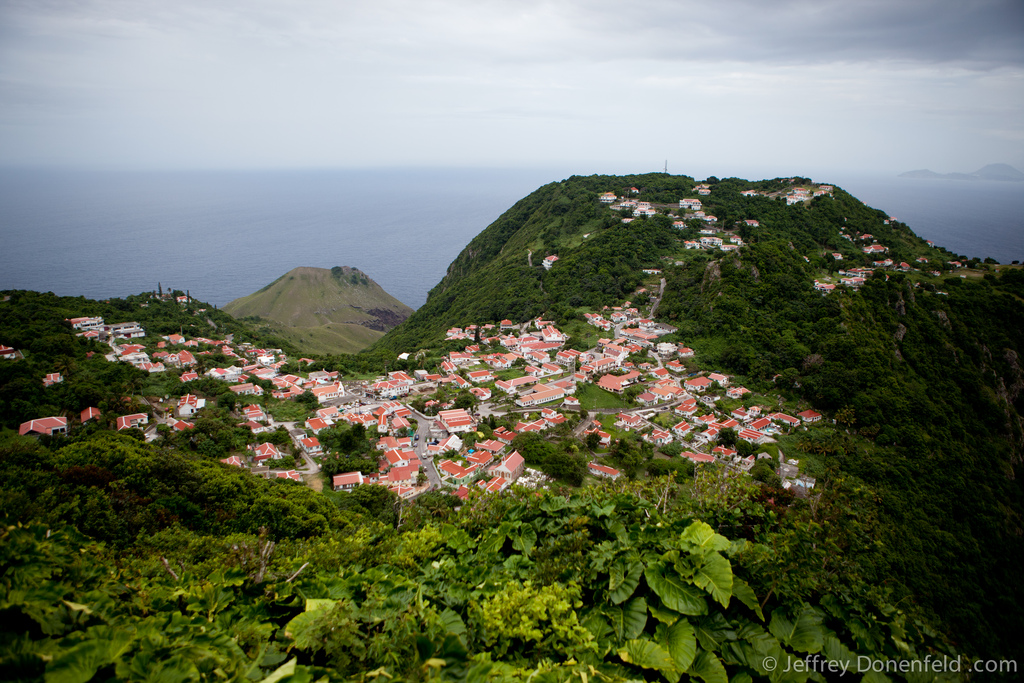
x=520, y=373
x=524, y=375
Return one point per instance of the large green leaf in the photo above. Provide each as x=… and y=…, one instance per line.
x=742, y=591
x=715, y=576
x=703, y=538
x=674, y=591
x=682, y=644
x=457, y=538
x=525, y=539
x=629, y=620
x=663, y=614
x=803, y=634
x=836, y=652
x=553, y=504
x=452, y=622
x=646, y=654
x=708, y=668
x=714, y=630
x=289, y=671
x=492, y=542
x=317, y=604
x=623, y=580
x=80, y=663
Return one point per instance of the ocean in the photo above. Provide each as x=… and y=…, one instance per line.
x=225, y=234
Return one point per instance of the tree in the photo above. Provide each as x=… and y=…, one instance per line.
x=307, y=399
x=727, y=437
x=566, y=466
x=763, y=472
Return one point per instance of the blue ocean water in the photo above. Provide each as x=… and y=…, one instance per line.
x=970, y=218
x=222, y=235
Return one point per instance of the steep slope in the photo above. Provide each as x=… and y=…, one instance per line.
x=921, y=372
x=500, y=273
x=340, y=310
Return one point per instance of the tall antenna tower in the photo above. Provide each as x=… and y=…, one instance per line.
x=666, y=165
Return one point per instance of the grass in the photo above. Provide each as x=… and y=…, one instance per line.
x=591, y=396
x=288, y=411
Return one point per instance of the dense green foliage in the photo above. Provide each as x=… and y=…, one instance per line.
x=116, y=489
x=601, y=585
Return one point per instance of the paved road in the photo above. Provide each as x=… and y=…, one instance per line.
x=423, y=430
x=661, y=293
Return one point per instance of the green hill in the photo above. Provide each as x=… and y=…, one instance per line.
x=919, y=368
x=340, y=310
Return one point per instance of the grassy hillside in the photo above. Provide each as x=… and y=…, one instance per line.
x=340, y=310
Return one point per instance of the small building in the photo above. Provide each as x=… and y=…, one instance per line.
x=599, y=470
x=129, y=421
x=44, y=425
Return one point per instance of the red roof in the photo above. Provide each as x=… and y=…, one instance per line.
x=43, y=425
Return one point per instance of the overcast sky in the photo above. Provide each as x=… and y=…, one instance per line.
x=589, y=85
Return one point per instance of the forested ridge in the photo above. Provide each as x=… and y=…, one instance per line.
x=126, y=560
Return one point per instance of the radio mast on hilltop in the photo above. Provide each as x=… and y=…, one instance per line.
x=666, y=165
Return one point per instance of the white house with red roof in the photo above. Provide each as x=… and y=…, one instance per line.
x=752, y=436
x=456, y=421
x=189, y=404
x=311, y=445
x=510, y=468
x=256, y=414
x=316, y=425
x=658, y=436
x=599, y=470
x=719, y=379
x=134, y=420
x=629, y=421
x=265, y=451
x=809, y=416
x=788, y=420
x=349, y=480
x=328, y=392
x=698, y=384
x=737, y=392
x=247, y=389
x=44, y=425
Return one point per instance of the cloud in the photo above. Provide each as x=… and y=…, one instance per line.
x=322, y=82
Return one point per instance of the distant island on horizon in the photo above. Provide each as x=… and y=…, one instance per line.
x=1003, y=172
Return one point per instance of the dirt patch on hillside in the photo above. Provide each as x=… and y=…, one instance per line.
x=384, y=319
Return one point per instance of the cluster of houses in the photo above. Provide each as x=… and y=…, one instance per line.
x=95, y=328
x=52, y=426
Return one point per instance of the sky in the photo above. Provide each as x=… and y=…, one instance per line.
x=593, y=86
